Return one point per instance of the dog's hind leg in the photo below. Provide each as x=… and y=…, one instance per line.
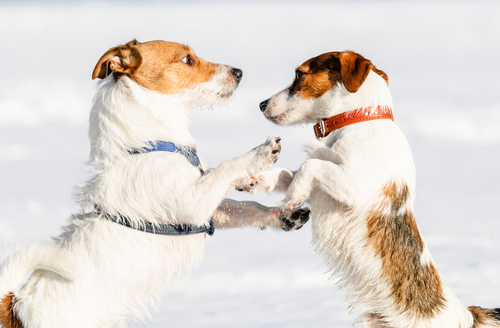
x=234, y=214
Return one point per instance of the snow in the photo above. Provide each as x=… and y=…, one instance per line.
x=441, y=60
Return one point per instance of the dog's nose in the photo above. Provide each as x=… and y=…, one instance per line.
x=263, y=105
x=237, y=73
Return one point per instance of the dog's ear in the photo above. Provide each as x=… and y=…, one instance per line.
x=134, y=42
x=124, y=59
x=354, y=69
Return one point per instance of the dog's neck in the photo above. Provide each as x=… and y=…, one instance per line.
x=125, y=116
x=372, y=94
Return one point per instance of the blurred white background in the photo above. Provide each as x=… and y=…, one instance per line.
x=442, y=61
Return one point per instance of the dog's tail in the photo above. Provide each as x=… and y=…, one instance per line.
x=35, y=256
x=485, y=318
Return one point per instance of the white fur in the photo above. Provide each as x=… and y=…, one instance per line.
x=99, y=273
x=342, y=182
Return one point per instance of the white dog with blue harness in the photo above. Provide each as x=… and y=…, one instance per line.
x=146, y=210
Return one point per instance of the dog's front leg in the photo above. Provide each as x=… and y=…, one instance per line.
x=210, y=189
x=315, y=173
x=235, y=214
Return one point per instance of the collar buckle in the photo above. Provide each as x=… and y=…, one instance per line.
x=322, y=128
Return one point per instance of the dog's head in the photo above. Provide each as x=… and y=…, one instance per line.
x=344, y=72
x=169, y=68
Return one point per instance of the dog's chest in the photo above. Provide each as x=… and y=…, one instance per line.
x=324, y=207
x=330, y=216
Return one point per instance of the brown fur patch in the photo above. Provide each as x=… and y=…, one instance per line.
x=156, y=65
x=396, y=238
x=354, y=70
x=9, y=318
x=485, y=317
x=319, y=74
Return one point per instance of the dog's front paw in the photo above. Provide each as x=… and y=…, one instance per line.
x=294, y=220
x=298, y=192
x=247, y=184
x=291, y=201
x=266, y=181
x=267, y=153
x=272, y=149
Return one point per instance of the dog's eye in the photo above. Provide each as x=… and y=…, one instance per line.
x=298, y=75
x=187, y=60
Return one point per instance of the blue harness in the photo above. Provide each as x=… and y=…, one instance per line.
x=165, y=229
x=189, y=153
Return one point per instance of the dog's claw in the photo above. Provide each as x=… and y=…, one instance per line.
x=278, y=146
x=276, y=150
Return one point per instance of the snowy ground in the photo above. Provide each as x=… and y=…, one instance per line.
x=441, y=58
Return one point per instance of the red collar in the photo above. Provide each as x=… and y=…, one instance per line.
x=328, y=125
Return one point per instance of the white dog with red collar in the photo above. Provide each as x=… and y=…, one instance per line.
x=360, y=183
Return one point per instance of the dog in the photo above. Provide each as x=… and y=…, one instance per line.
x=148, y=207
x=359, y=181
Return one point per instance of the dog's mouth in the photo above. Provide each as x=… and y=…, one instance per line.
x=279, y=118
x=224, y=95
x=211, y=96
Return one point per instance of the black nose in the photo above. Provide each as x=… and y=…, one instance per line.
x=263, y=105
x=237, y=73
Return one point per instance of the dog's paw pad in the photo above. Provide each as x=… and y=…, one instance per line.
x=295, y=220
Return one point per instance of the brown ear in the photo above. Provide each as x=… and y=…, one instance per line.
x=134, y=42
x=120, y=60
x=381, y=73
x=354, y=69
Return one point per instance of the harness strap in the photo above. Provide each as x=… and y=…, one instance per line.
x=160, y=228
x=188, y=152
